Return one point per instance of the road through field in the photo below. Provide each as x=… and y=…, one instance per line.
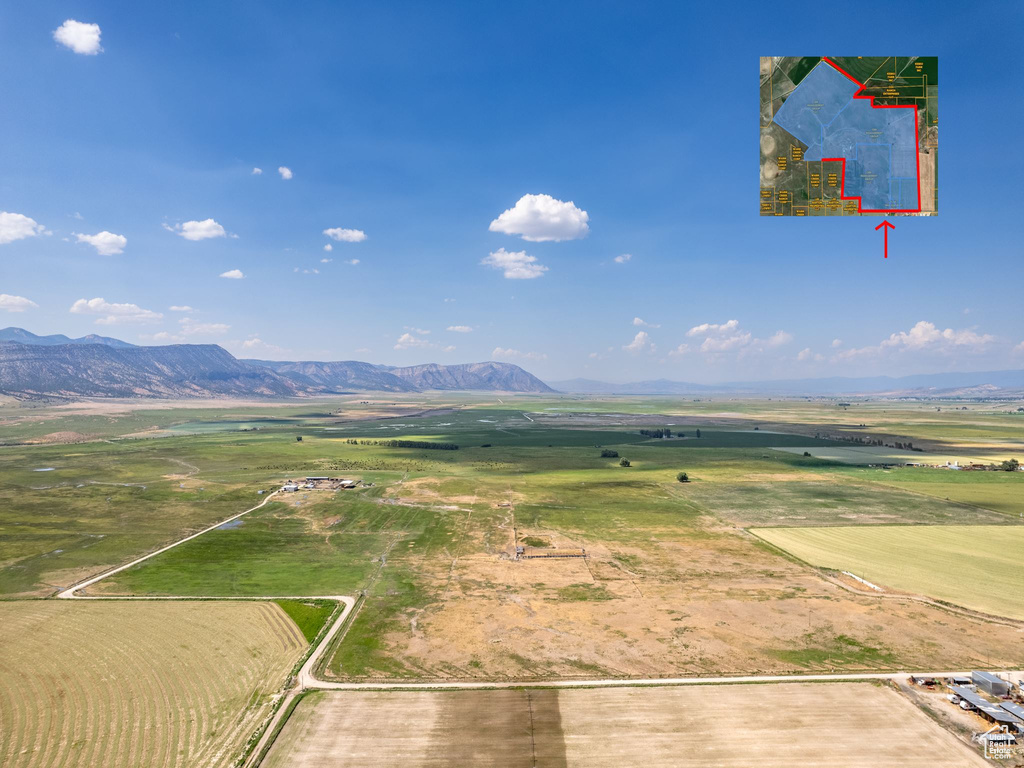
x=306, y=678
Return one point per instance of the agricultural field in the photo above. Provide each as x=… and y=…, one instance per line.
x=978, y=567
x=866, y=725
x=133, y=683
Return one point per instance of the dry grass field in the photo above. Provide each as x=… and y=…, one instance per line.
x=772, y=726
x=137, y=683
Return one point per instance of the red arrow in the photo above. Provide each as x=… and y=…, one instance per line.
x=887, y=226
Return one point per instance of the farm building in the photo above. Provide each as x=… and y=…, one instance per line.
x=990, y=683
x=985, y=708
x=1016, y=710
x=290, y=487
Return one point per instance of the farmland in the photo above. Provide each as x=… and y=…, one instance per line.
x=867, y=725
x=129, y=683
x=978, y=567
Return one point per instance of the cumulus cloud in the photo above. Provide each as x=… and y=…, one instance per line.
x=640, y=343
x=460, y=328
x=836, y=343
x=233, y=274
x=180, y=308
x=113, y=314
x=105, y=243
x=720, y=338
x=257, y=171
x=806, y=354
x=1019, y=349
x=10, y=303
x=409, y=341
x=328, y=247
x=509, y=354
x=198, y=230
x=516, y=265
x=254, y=345
x=343, y=235
x=16, y=226
x=682, y=349
x=623, y=258
x=640, y=322
x=352, y=262
x=285, y=171
x=80, y=37
x=925, y=337
x=326, y=261
x=540, y=218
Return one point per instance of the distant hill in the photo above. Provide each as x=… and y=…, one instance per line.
x=102, y=370
x=976, y=384
x=342, y=376
x=22, y=336
x=96, y=366
x=353, y=375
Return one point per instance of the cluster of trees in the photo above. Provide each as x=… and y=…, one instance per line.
x=1010, y=465
x=908, y=446
x=658, y=433
x=406, y=444
x=609, y=454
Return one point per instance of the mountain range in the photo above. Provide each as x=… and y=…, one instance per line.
x=98, y=366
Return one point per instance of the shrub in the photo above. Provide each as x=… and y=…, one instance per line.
x=608, y=454
x=682, y=477
x=624, y=463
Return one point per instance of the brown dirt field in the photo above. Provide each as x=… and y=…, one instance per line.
x=855, y=725
x=716, y=604
x=137, y=683
x=60, y=437
x=928, y=180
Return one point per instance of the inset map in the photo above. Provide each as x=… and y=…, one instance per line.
x=849, y=135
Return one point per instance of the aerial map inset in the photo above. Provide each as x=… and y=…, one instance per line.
x=849, y=135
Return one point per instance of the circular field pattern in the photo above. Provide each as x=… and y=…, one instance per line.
x=138, y=683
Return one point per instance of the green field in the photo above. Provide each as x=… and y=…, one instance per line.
x=978, y=567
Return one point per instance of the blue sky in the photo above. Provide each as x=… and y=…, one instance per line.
x=419, y=124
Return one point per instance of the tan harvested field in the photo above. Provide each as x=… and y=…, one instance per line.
x=134, y=683
x=784, y=725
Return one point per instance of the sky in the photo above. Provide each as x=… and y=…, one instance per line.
x=570, y=187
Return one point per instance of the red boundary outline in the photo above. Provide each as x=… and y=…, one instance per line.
x=917, y=148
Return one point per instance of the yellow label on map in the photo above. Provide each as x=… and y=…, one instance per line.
x=782, y=162
x=815, y=179
x=797, y=152
x=784, y=196
x=833, y=179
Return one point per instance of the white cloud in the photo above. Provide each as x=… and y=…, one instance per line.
x=10, y=303
x=191, y=328
x=254, y=345
x=420, y=331
x=343, y=235
x=725, y=337
x=326, y=261
x=639, y=322
x=408, y=341
x=257, y=171
x=449, y=301
x=836, y=343
x=15, y=226
x=623, y=258
x=79, y=37
x=77, y=215
x=198, y=230
x=1019, y=349
x=640, y=343
x=541, y=218
x=328, y=247
x=449, y=348
x=352, y=262
x=233, y=274
x=516, y=265
x=682, y=349
x=779, y=338
x=113, y=314
x=806, y=354
x=705, y=328
x=515, y=353
x=924, y=337
x=105, y=243
x=181, y=308
x=460, y=328
x=285, y=171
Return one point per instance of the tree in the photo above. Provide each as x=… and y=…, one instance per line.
x=807, y=453
x=1010, y=465
x=624, y=462
x=682, y=477
x=698, y=433
x=298, y=439
x=607, y=453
